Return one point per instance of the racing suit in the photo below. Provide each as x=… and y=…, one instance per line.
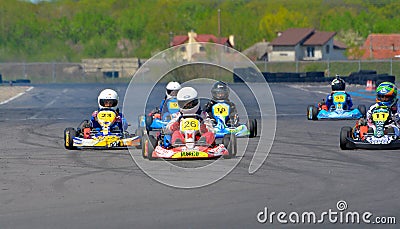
x=329, y=101
x=395, y=117
x=120, y=122
x=206, y=128
x=233, y=116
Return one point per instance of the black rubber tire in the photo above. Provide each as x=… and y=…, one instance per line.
x=255, y=127
x=148, y=143
x=312, y=112
x=152, y=143
x=139, y=132
x=344, y=133
x=250, y=127
x=230, y=143
x=69, y=134
x=363, y=110
x=148, y=121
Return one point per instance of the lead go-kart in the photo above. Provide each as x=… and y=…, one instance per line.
x=381, y=135
x=99, y=138
x=220, y=112
x=337, y=111
x=192, y=148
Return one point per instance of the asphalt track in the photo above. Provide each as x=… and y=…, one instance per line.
x=42, y=185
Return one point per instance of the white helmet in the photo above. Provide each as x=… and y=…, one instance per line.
x=108, y=98
x=188, y=101
x=172, y=89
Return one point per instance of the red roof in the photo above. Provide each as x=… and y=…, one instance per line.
x=180, y=39
x=319, y=38
x=292, y=36
x=383, y=46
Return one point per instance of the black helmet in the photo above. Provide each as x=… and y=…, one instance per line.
x=338, y=84
x=220, y=91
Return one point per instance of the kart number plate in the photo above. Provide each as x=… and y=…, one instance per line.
x=190, y=154
x=173, y=105
x=338, y=98
x=189, y=124
x=106, y=116
x=380, y=116
x=221, y=110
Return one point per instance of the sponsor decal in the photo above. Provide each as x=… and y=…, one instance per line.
x=382, y=140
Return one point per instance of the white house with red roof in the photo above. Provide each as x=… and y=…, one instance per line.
x=306, y=44
x=191, y=44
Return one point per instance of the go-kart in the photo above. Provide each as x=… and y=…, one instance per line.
x=191, y=148
x=159, y=120
x=105, y=137
x=379, y=136
x=337, y=111
x=220, y=112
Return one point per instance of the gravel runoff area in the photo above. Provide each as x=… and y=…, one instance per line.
x=8, y=92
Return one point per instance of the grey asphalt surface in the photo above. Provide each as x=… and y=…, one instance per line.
x=42, y=185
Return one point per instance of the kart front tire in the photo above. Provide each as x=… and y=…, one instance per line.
x=69, y=134
x=230, y=143
x=344, y=133
x=312, y=112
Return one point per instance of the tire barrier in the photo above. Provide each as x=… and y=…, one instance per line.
x=361, y=77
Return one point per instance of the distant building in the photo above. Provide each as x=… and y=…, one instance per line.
x=381, y=46
x=306, y=44
x=193, y=48
x=258, y=51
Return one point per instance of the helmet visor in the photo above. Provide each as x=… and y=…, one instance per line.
x=108, y=102
x=172, y=92
x=188, y=104
x=384, y=98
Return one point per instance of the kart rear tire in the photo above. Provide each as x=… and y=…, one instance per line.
x=255, y=127
x=363, y=110
x=230, y=143
x=344, y=133
x=69, y=134
x=250, y=127
x=148, y=121
x=312, y=112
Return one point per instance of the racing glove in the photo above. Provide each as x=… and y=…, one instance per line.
x=175, y=126
x=118, y=119
x=94, y=115
x=203, y=129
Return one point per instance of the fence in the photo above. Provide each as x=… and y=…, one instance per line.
x=331, y=68
x=75, y=72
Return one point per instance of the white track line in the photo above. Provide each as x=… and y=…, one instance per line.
x=14, y=97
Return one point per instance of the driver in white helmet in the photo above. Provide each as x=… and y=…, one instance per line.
x=171, y=90
x=189, y=104
x=108, y=100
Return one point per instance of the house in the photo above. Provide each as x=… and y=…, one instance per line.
x=381, y=46
x=190, y=44
x=306, y=44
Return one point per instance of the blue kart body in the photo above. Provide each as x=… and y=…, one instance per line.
x=170, y=107
x=337, y=110
x=220, y=112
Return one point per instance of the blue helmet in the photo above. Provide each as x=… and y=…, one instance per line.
x=386, y=94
